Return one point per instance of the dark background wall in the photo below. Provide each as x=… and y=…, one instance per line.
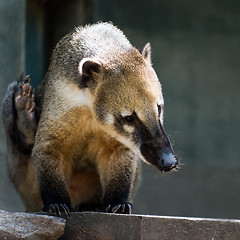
x=12, y=58
x=196, y=56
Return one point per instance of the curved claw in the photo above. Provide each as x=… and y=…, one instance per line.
x=116, y=208
x=65, y=209
x=129, y=208
x=27, y=79
x=52, y=208
x=107, y=209
x=59, y=209
x=122, y=208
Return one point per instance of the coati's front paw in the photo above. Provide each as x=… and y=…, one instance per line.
x=123, y=208
x=24, y=98
x=25, y=108
x=59, y=209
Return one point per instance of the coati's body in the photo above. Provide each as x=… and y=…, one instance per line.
x=98, y=116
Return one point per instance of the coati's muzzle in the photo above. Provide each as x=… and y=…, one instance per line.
x=158, y=151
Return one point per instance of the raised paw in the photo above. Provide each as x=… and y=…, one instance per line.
x=59, y=209
x=24, y=95
x=25, y=109
x=122, y=208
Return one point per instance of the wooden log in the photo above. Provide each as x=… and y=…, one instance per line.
x=30, y=226
x=103, y=226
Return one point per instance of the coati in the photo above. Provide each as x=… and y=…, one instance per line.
x=77, y=142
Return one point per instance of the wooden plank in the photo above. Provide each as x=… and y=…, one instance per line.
x=103, y=226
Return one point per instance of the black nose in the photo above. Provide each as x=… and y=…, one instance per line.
x=168, y=161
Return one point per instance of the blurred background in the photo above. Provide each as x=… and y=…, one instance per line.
x=196, y=54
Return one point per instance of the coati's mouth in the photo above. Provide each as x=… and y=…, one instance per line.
x=167, y=169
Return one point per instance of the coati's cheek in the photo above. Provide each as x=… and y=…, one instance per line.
x=109, y=119
x=128, y=129
x=129, y=144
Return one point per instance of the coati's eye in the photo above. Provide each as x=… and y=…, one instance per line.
x=129, y=118
x=159, y=110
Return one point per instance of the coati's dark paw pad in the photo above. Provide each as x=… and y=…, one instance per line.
x=59, y=209
x=24, y=97
x=123, y=208
x=25, y=108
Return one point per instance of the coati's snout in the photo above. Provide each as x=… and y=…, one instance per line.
x=168, y=160
x=158, y=151
x=163, y=158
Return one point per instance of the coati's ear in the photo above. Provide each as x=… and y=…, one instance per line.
x=146, y=52
x=88, y=68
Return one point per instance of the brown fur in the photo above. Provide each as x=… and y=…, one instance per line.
x=86, y=150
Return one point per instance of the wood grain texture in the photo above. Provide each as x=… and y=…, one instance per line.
x=103, y=226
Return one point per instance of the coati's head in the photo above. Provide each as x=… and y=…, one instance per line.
x=127, y=101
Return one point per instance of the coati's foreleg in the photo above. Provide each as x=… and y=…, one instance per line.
x=19, y=111
x=25, y=108
x=19, y=121
x=19, y=115
x=51, y=178
x=118, y=177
